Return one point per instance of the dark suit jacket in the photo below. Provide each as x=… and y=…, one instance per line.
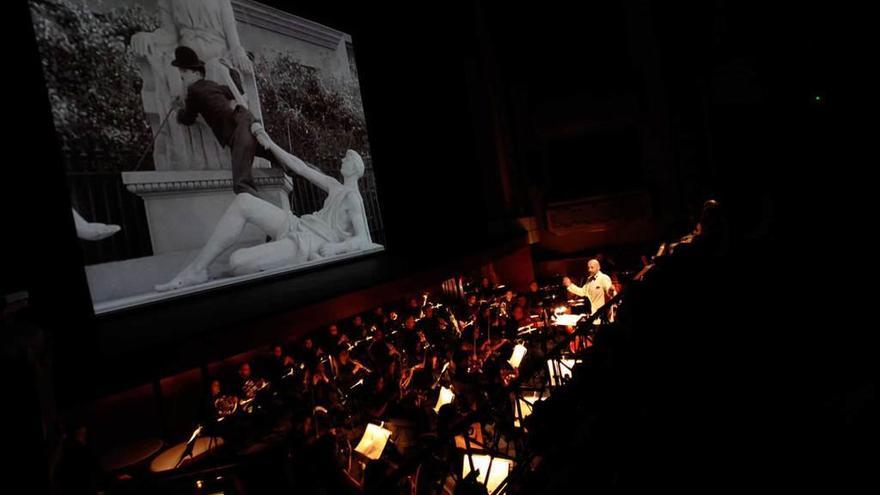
x=212, y=101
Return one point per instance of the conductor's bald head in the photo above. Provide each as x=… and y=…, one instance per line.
x=593, y=267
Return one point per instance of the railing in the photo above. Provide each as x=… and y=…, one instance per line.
x=102, y=197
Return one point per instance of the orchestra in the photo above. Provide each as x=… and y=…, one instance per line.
x=390, y=365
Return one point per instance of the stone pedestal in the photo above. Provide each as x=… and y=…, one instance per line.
x=183, y=207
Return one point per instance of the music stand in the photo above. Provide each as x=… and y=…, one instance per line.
x=519, y=352
x=523, y=404
x=492, y=470
x=446, y=397
x=372, y=444
x=190, y=444
x=560, y=370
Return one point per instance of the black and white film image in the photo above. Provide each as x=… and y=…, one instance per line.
x=205, y=142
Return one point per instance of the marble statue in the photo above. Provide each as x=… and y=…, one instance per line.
x=209, y=28
x=92, y=231
x=339, y=227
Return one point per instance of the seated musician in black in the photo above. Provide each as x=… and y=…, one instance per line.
x=220, y=413
x=468, y=310
x=348, y=370
x=516, y=321
x=507, y=300
x=246, y=385
x=486, y=290
x=474, y=334
x=393, y=323
x=414, y=306
x=321, y=391
x=212, y=407
x=429, y=324
x=379, y=350
x=408, y=339
x=523, y=301
x=332, y=341
x=378, y=398
x=358, y=329
x=78, y=469
x=445, y=334
x=322, y=472
x=426, y=372
x=534, y=295
x=378, y=318
x=307, y=353
x=277, y=364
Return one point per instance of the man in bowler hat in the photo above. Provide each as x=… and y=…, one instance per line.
x=230, y=122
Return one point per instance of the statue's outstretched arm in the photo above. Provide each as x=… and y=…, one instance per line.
x=291, y=162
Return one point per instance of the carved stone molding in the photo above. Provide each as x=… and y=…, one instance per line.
x=146, y=183
x=278, y=21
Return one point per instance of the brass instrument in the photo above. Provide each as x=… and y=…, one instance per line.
x=226, y=405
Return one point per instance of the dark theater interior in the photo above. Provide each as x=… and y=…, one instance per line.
x=467, y=247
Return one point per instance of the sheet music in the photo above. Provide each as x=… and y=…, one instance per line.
x=568, y=320
x=373, y=442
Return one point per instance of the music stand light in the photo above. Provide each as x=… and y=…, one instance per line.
x=567, y=320
x=446, y=396
x=492, y=470
x=373, y=442
x=560, y=370
x=516, y=358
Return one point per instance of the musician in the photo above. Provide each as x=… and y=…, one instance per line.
x=78, y=469
x=307, y=353
x=517, y=320
x=323, y=392
x=379, y=318
x=332, y=341
x=444, y=335
x=474, y=333
x=507, y=300
x=486, y=290
x=598, y=289
x=278, y=364
x=534, y=295
x=358, y=329
x=247, y=386
x=380, y=351
x=348, y=370
x=414, y=306
x=495, y=338
x=709, y=234
x=393, y=321
x=522, y=301
x=408, y=339
x=469, y=309
x=211, y=408
x=393, y=375
x=378, y=397
x=429, y=324
x=322, y=472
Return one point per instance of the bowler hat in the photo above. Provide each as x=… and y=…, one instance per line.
x=186, y=58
